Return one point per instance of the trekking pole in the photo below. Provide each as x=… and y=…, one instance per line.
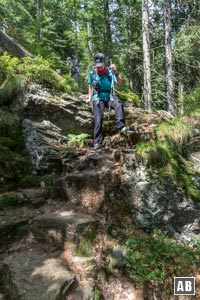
x=111, y=98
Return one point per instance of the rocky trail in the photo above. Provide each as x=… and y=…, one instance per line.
x=64, y=239
x=42, y=256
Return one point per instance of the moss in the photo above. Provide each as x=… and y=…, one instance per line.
x=13, y=163
x=8, y=200
x=7, y=185
x=29, y=180
x=10, y=124
x=155, y=154
x=109, y=123
x=176, y=131
x=129, y=96
x=16, y=145
x=85, y=243
x=161, y=156
x=11, y=88
x=97, y=295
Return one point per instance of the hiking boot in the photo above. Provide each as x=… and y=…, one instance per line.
x=97, y=146
x=124, y=130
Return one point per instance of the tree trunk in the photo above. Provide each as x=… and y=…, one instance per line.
x=129, y=41
x=146, y=55
x=168, y=57
x=107, y=32
x=89, y=34
x=180, y=96
x=75, y=28
x=39, y=19
x=12, y=47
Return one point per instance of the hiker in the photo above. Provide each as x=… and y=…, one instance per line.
x=74, y=69
x=101, y=91
x=75, y=72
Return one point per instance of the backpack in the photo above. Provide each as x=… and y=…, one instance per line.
x=73, y=70
x=95, y=83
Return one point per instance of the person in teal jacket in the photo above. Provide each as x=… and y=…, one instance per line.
x=101, y=82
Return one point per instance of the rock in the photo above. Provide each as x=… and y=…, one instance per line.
x=45, y=143
x=157, y=204
x=67, y=112
x=60, y=226
x=89, y=181
x=84, y=291
x=195, y=158
x=35, y=196
x=33, y=276
x=12, y=220
x=117, y=258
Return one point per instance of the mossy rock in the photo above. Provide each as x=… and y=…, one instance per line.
x=9, y=200
x=162, y=157
x=12, y=164
x=10, y=123
x=10, y=88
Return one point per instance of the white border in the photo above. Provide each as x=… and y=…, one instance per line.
x=184, y=294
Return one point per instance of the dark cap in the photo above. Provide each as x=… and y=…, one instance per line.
x=99, y=60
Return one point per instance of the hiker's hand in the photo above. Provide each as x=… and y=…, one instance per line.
x=114, y=68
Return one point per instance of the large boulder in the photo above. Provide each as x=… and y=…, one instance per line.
x=31, y=275
x=69, y=113
x=159, y=203
x=45, y=144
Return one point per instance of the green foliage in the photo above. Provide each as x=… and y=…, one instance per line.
x=8, y=66
x=9, y=123
x=77, y=140
x=156, y=154
x=166, y=155
x=156, y=257
x=8, y=200
x=97, y=295
x=39, y=69
x=11, y=87
x=129, y=96
x=85, y=243
x=14, y=162
x=196, y=244
x=192, y=101
x=175, y=132
x=15, y=73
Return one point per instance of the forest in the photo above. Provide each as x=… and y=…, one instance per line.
x=155, y=44
x=123, y=221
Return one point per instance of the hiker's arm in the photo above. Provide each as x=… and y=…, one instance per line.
x=90, y=92
x=118, y=77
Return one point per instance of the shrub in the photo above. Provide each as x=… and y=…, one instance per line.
x=156, y=257
x=8, y=200
x=192, y=100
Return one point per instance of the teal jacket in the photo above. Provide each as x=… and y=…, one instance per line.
x=106, y=83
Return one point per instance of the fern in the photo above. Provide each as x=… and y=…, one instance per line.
x=77, y=140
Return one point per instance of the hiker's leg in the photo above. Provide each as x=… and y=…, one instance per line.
x=117, y=105
x=98, y=107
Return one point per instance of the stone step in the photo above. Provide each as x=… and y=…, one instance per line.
x=32, y=275
x=14, y=222
x=59, y=226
